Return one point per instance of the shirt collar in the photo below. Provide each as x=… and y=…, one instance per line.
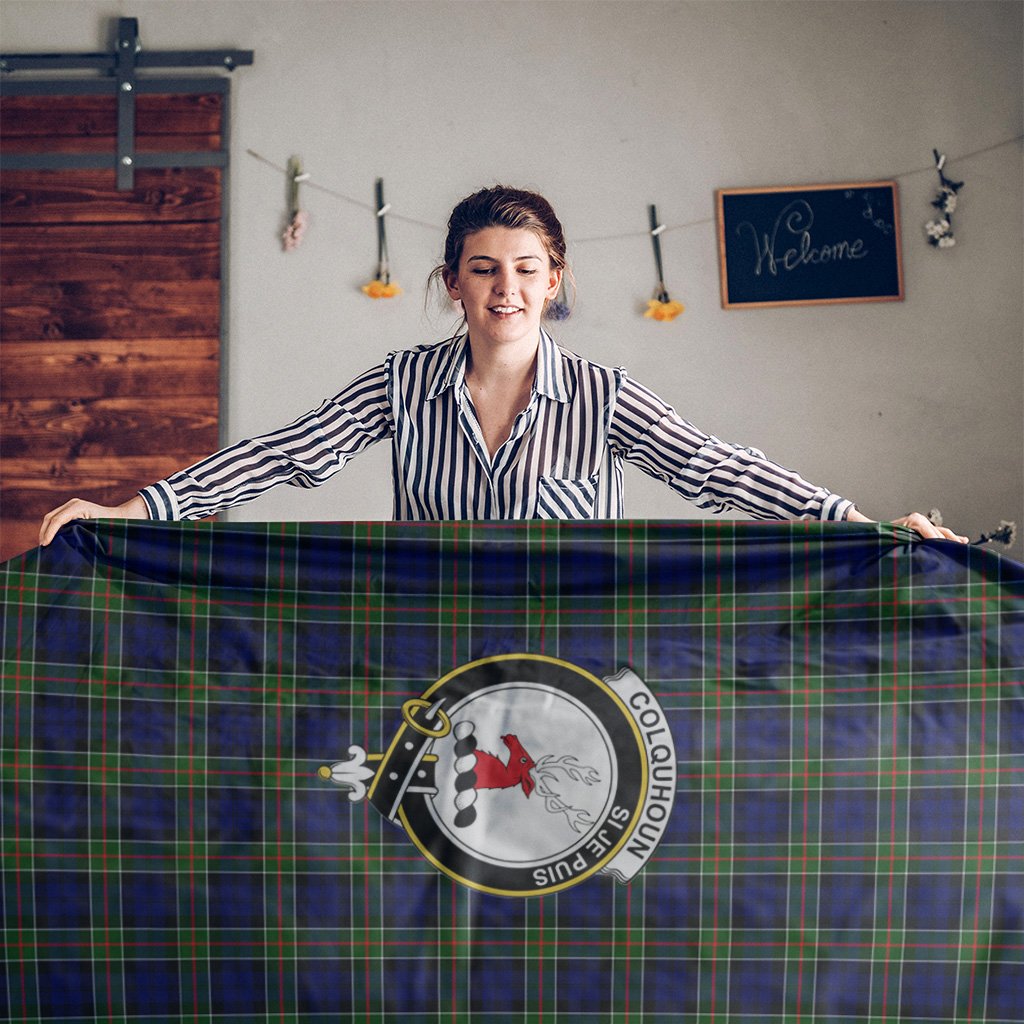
x=550, y=379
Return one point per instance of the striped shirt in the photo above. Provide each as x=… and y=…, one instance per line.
x=562, y=460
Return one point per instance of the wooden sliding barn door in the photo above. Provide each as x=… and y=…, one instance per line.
x=111, y=305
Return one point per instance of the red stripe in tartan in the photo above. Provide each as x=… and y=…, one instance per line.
x=279, y=730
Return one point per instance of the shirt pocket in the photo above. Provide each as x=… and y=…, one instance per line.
x=566, y=498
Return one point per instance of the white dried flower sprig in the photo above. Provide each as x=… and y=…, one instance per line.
x=940, y=231
x=1004, y=533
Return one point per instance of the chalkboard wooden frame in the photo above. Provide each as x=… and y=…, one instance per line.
x=853, y=254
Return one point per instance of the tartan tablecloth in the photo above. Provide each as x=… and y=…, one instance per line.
x=846, y=706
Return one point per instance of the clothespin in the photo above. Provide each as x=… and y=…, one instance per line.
x=381, y=287
x=297, y=217
x=661, y=292
x=661, y=307
x=383, y=270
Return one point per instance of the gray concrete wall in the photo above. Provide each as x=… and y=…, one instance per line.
x=606, y=107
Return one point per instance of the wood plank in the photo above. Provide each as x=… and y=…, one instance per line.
x=82, y=197
x=110, y=369
x=31, y=487
x=73, y=428
x=18, y=536
x=85, y=116
x=108, y=144
x=110, y=252
x=94, y=310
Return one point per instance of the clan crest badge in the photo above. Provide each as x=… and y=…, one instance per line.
x=521, y=774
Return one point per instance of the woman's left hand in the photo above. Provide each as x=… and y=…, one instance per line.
x=918, y=523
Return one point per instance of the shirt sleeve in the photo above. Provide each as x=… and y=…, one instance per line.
x=711, y=473
x=304, y=454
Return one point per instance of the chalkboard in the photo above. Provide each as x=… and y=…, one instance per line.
x=812, y=244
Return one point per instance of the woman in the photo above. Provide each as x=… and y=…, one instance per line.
x=498, y=422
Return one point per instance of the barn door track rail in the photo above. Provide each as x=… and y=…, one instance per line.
x=121, y=67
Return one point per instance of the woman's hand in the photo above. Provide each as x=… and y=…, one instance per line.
x=76, y=508
x=917, y=522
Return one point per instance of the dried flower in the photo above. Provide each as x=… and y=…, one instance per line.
x=1004, y=533
x=558, y=308
x=940, y=232
x=381, y=289
x=664, y=311
x=296, y=229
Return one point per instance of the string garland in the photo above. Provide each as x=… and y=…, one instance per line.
x=311, y=183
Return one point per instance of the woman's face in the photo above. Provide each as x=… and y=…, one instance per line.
x=505, y=277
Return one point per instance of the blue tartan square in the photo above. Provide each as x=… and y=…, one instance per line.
x=239, y=986
x=411, y=984
x=62, y=899
x=670, y=984
x=149, y=900
x=938, y=729
x=324, y=651
x=150, y=640
x=846, y=901
x=937, y=814
x=849, y=732
x=760, y=733
x=584, y=984
x=322, y=815
x=673, y=900
x=497, y=911
x=66, y=989
x=759, y=986
x=408, y=902
x=234, y=729
x=234, y=814
x=849, y=815
x=324, y=985
x=759, y=817
x=60, y=722
x=496, y=985
x=153, y=988
x=1005, y=983
x=322, y=735
x=235, y=899
x=320, y=902
x=590, y=905
x=1011, y=725
x=759, y=901
x=929, y=989
x=934, y=902
x=149, y=726
x=59, y=809
x=147, y=812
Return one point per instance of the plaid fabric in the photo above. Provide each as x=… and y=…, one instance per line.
x=847, y=706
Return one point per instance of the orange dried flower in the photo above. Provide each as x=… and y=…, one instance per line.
x=665, y=311
x=380, y=290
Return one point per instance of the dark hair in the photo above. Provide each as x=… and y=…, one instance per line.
x=501, y=207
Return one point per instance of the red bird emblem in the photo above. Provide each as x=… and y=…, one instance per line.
x=492, y=774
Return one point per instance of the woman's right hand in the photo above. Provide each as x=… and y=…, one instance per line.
x=76, y=508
